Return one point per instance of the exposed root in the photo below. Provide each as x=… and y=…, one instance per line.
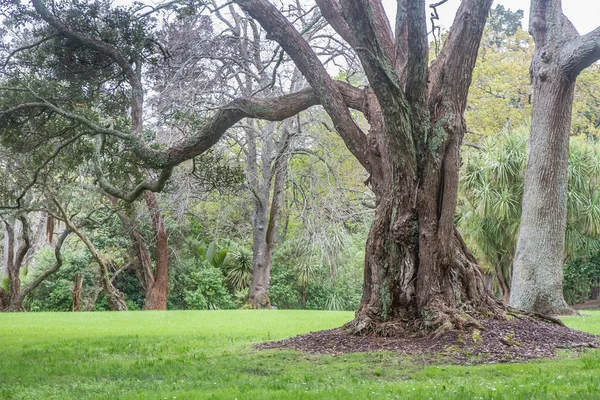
x=524, y=337
x=515, y=312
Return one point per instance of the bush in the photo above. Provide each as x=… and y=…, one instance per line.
x=197, y=285
x=580, y=277
x=55, y=293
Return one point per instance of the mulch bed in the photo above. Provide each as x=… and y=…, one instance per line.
x=502, y=341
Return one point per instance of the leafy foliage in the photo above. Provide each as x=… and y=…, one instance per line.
x=580, y=277
x=491, y=191
x=207, y=291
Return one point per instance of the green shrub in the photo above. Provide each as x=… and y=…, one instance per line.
x=207, y=289
x=580, y=277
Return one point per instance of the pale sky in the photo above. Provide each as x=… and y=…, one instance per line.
x=585, y=14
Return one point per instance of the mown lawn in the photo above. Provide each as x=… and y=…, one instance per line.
x=208, y=355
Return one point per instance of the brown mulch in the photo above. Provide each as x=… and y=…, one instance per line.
x=501, y=341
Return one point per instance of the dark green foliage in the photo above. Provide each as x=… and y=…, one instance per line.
x=214, y=171
x=580, y=277
x=55, y=293
x=207, y=291
x=237, y=268
x=296, y=283
x=198, y=285
x=503, y=22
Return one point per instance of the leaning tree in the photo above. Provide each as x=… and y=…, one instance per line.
x=418, y=271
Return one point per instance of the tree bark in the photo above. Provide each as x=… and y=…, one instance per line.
x=418, y=272
x=155, y=282
x=77, y=287
x=158, y=289
x=266, y=221
x=560, y=55
x=14, y=299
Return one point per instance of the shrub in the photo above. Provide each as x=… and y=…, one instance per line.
x=580, y=277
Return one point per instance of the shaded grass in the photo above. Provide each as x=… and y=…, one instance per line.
x=209, y=355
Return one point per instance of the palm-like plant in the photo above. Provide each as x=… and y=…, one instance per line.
x=491, y=192
x=238, y=268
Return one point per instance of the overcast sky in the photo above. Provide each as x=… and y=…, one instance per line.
x=585, y=14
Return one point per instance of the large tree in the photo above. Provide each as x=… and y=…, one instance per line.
x=418, y=271
x=417, y=267
x=560, y=56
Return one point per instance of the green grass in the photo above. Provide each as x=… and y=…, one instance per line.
x=208, y=355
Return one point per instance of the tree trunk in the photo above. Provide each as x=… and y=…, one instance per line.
x=158, y=290
x=14, y=299
x=418, y=271
x=265, y=226
x=77, y=287
x=414, y=273
x=502, y=283
x=560, y=56
x=537, y=269
x=154, y=282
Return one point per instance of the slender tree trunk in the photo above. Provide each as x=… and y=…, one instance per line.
x=14, y=299
x=502, y=283
x=154, y=282
x=77, y=287
x=14, y=283
x=114, y=297
x=158, y=290
x=265, y=227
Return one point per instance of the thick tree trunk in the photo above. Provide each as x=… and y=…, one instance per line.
x=413, y=275
x=560, y=56
x=418, y=272
x=537, y=269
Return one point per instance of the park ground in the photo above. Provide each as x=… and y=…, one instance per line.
x=179, y=355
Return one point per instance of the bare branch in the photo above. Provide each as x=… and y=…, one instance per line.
x=282, y=31
x=581, y=52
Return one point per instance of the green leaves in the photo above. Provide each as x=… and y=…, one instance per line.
x=491, y=192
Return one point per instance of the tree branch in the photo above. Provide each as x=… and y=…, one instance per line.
x=450, y=83
x=57, y=264
x=332, y=12
x=325, y=89
x=581, y=52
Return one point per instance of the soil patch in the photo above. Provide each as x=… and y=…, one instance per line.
x=501, y=341
x=588, y=305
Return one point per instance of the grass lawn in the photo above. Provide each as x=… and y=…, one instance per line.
x=208, y=355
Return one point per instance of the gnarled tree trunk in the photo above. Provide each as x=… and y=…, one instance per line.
x=418, y=271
